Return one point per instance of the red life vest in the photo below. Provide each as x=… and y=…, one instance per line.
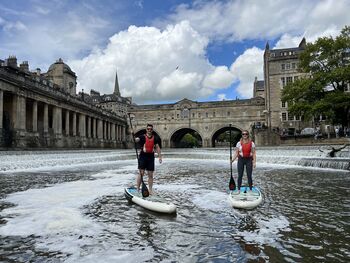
x=148, y=147
x=246, y=148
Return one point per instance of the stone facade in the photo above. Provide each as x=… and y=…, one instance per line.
x=42, y=110
x=280, y=68
x=208, y=119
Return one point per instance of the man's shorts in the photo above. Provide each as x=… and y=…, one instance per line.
x=146, y=161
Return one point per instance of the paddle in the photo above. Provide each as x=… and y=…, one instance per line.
x=144, y=189
x=232, y=184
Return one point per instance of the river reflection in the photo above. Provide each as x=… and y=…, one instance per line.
x=76, y=211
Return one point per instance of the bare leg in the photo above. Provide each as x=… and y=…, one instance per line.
x=138, y=180
x=150, y=181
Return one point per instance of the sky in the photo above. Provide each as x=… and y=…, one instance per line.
x=163, y=50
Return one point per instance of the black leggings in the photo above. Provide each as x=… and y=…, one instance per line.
x=248, y=163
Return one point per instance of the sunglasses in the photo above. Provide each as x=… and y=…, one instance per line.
x=244, y=133
x=149, y=129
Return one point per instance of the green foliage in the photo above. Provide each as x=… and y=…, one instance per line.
x=188, y=141
x=323, y=91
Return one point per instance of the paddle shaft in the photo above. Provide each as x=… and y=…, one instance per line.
x=144, y=188
x=230, y=150
x=232, y=184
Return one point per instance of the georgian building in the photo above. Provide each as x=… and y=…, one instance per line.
x=42, y=110
x=280, y=68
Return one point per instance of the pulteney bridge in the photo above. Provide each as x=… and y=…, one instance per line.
x=207, y=119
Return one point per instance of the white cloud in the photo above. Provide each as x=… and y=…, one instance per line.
x=269, y=19
x=245, y=68
x=153, y=65
x=220, y=78
x=222, y=96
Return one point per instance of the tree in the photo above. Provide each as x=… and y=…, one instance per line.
x=188, y=141
x=324, y=90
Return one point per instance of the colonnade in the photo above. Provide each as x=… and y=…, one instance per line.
x=61, y=123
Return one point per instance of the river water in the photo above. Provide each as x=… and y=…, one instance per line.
x=69, y=206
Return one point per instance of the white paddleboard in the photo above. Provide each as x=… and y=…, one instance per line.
x=153, y=202
x=246, y=199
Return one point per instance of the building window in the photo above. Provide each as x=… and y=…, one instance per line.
x=214, y=114
x=287, y=66
x=207, y=114
x=283, y=82
x=293, y=65
x=290, y=117
x=283, y=104
x=289, y=80
x=283, y=66
x=228, y=113
x=284, y=116
x=177, y=115
x=199, y=114
x=193, y=115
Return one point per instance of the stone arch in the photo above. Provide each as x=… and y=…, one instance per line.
x=178, y=134
x=236, y=134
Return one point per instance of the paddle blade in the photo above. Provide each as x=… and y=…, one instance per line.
x=232, y=184
x=144, y=190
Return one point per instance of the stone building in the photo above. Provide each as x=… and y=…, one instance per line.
x=259, y=88
x=281, y=68
x=114, y=102
x=42, y=110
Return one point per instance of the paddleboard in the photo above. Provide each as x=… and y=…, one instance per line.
x=246, y=199
x=153, y=202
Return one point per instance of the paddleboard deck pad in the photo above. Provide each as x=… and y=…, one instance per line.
x=153, y=202
x=246, y=199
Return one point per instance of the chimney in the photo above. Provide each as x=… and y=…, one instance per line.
x=24, y=66
x=38, y=71
x=11, y=62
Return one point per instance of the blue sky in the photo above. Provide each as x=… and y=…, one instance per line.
x=163, y=50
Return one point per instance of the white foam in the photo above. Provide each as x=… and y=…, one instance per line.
x=54, y=213
x=211, y=200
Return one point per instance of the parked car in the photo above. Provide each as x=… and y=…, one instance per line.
x=308, y=131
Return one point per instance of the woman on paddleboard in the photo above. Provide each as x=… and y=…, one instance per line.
x=246, y=154
x=148, y=143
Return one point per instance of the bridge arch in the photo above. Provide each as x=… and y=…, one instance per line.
x=221, y=136
x=176, y=138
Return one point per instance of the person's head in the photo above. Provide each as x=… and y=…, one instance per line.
x=149, y=129
x=245, y=134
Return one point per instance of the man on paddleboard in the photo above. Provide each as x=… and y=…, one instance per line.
x=246, y=153
x=148, y=143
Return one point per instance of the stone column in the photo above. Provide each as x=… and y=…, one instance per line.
x=99, y=129
x=89, y=127
x=113, y=131
x=118, y=133
x=104, y=130
x=94, y=128
x=20, y=113
x=74, y=124
x=67, y=122
x=123, y=133
x=46, y=118
x=57, y=120
x=1, y=107
x=82, y=125
x=35, y=116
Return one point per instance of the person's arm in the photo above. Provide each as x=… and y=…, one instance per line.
x=159, y=153
x=254, y=158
